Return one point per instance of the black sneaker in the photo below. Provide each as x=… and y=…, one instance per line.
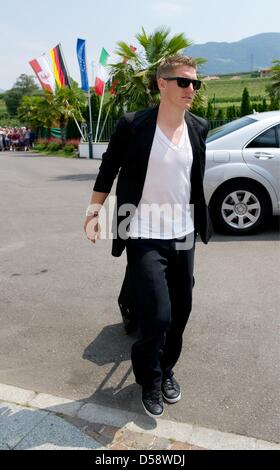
x=152, y=403
x=171, y=390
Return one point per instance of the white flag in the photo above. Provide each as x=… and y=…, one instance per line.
x=43, y=73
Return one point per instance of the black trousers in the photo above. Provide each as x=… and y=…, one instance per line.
x=161, y=281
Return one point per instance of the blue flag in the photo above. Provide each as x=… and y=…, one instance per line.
x=81, y=53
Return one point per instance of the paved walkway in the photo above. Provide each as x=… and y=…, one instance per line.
x=63, y=314
x=30, y=421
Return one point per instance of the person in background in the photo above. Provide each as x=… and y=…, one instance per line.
x=2, y=140
x=26, y=139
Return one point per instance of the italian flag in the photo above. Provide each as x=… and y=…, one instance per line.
x=102, y=75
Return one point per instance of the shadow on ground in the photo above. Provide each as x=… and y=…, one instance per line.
x=31, y=428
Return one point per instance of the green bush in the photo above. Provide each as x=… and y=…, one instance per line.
x=220, y=114
x=40, y=147
x=69, y=149
x=246, y=107
x=237, y=99
x=53, y=147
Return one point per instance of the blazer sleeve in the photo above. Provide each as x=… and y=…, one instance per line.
x=206, y=129
x=113, y=157
x=204, y=136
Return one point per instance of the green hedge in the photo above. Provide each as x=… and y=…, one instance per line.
x=53, y=146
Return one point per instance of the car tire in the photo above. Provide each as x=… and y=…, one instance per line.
x=240, y=207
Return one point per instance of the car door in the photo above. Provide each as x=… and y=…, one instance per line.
x=262, y=155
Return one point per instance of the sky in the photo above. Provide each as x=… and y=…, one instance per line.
x=36, y=27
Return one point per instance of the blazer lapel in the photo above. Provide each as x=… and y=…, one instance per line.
x=145, y=137
x=196, y=172
x=147, y=131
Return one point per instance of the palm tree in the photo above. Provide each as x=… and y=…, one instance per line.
x=37, y=111
x=135, y=74
x=58, y=107
x=68, y=102
x=274, y=88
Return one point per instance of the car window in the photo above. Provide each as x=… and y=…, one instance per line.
x=278, y=133
x=228, y=128
x=268, y=139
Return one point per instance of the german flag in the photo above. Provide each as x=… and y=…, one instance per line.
x=59, y=68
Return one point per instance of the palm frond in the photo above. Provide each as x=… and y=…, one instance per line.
x=136, y=75
x=143, y=38
x=177, y=44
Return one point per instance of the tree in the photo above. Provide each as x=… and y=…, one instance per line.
x=246, y=107
x=199, y=111
x=231, y=112
x=68, y=102
x=12, y=100
x=274, y=103
x=136, y=72
x=54, y=108
x=210, y=114
x=274, y=87
x=264, y=105
x=24, y=86
x=220, y=114
x=38, y=111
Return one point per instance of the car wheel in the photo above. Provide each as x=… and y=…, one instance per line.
x=240, y=207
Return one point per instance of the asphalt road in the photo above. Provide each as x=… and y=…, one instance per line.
x=61, y=331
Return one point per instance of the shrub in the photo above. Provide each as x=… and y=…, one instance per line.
x=54, y=140
x=220, y=114
x=73, y=142
x=42, y=141
x=69, y=149
x=246, y=107
x=54, y=146
x=210, y=113
x=40, y=147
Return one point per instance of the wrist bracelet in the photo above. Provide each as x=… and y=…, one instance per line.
x=90, y=212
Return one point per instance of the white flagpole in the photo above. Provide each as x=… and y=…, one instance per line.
x=100, y=110
x=82, y=135
x=92, y=71
x=90, y=126
x=101, y=132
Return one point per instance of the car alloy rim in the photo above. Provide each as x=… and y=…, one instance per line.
x=241, y=209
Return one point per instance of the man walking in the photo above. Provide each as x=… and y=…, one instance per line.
x=160, y=156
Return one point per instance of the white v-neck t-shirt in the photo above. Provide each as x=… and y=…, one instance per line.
x=164, y=211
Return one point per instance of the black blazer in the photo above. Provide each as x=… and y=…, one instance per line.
x=128, y=153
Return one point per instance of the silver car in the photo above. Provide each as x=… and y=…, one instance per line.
x=242, y=177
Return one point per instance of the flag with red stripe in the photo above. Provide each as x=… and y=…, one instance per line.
x=59, y=67
x=44, y=74
x=102, y=74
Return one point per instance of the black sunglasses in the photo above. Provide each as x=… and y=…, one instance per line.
x=184, y=82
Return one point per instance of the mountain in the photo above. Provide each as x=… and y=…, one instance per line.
x=2, y=91
x=249, y=54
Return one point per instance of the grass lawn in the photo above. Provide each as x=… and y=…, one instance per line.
x=228, y=88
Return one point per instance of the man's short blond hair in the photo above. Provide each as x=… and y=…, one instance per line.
x=170, y=63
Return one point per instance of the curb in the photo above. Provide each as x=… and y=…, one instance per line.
x=103, y=423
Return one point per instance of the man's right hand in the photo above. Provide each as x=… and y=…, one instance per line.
x=92, y=228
